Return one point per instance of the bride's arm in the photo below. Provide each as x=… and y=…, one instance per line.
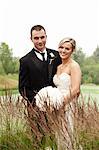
x=75, y=73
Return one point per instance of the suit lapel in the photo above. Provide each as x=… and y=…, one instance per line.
x=36, y=61
x=50, y=64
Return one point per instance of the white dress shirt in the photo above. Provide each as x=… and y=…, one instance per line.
x=40, y=56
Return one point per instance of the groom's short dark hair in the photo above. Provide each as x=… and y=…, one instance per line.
x=37, y=28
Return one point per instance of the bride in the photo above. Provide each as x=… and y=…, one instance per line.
x=67, y=81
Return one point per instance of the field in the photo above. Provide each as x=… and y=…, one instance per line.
x=16, y=125
x=8, y=81
x=90, y=91
x=11, y=82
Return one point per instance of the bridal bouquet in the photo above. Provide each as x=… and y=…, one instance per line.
x=51, y=96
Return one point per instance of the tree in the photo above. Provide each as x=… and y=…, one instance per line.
x=79, y=56
x=89, y=61
x=96, y=54
x=16, y=64
x=6, y=58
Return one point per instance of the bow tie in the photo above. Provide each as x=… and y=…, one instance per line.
x=42, y=53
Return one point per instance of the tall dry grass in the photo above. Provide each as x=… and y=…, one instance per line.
x=37, y=130
x=87, y=123
x=14, y=131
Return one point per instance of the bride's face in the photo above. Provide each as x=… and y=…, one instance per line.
x=65, y=50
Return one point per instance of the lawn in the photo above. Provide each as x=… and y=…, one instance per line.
x=8, y=81
x=94, y=89
x=11, y=82
x=90, y=91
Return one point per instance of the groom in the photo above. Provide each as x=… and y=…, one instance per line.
x=38, y=66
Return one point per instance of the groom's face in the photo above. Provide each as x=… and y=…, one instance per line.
x=39, y=39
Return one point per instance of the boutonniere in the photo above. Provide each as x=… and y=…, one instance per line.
x=51, y=57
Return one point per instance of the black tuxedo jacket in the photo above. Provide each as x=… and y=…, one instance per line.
x=35, y=74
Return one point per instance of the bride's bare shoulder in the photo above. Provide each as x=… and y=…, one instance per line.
x=75, y=68
x=74, y=64
x=59, y=66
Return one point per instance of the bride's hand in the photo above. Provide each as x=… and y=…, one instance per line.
x=66, y=100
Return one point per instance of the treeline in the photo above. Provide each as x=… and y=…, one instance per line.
x=8, y=63
x=89, y=65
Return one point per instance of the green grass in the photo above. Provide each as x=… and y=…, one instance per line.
x=11, y=82
x=8, y=82
x=90, y=92
x=93, y=89
x=13, y=76
x=12, y=91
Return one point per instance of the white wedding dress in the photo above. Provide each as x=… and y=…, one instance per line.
x=54, y=96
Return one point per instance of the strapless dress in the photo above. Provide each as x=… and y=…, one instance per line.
x=54, y=96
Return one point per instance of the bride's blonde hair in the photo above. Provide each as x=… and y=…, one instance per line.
x=67, y=39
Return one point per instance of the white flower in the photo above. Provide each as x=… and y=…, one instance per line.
x=52, y=55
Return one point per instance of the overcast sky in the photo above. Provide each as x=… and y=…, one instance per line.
x=78, y=19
